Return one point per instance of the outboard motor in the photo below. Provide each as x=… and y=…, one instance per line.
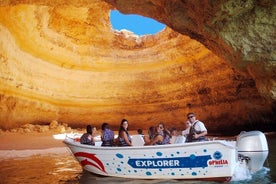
x=252, y=147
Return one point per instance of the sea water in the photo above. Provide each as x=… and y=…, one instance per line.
x=59, y=166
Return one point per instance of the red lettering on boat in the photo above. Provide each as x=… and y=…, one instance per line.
x=218, y=162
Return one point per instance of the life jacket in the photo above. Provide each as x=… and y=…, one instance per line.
x=192, y=131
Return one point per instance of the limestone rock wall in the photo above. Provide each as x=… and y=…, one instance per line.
x=62, y=61
x=241, y=32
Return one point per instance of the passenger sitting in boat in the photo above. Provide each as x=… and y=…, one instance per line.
x=151, y=134
x=197, y=130
x=140, y=131
x=174, y=134
x=123, y=135
x=107, y=136
x=187, y=130
x=87, y=137
x=174, y=131
x=161, y=137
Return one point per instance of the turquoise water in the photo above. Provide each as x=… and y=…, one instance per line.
x=63, y=168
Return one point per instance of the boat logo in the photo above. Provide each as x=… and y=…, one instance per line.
x=217, y=155
x=191, y=161
x=91, y=159
x=217, y=160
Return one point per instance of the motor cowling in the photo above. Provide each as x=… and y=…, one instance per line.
x=252, y=146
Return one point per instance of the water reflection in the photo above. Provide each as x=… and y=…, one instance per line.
x=40, y=169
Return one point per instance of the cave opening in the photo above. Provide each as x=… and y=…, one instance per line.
x=136, y=24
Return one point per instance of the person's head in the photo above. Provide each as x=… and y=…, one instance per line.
x=140, y=131
x=105, y=126
x=187, y=124
x=89, y=129
x=173, y=131
x=191, y=117
x=152, y=131
x=160, y=127
x=124, y=124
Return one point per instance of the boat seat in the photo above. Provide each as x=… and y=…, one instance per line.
x=137, y=140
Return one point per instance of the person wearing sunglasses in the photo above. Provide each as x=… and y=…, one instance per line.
x=162, y=136
x=197, y=130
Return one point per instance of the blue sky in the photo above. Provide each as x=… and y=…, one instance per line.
x=135, y=23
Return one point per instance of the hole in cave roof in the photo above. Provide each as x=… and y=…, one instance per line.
x=136, y=24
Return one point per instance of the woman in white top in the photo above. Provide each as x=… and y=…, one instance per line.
x=187, y=130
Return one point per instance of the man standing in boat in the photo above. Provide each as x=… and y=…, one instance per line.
x=197, y=130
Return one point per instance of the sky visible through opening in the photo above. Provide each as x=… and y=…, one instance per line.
x=137, y=24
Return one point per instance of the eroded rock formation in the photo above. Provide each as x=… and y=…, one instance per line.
x=62, y=61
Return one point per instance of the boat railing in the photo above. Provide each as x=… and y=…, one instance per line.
x=73, y=137
x=227, y=144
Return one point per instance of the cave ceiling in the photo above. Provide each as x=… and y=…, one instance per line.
x=61, y=60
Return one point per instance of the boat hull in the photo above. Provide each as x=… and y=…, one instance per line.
x=201, y=160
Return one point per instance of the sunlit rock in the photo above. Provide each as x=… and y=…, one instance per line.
x=61, y=62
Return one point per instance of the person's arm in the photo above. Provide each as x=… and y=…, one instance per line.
x=146, y=139
x=203, y=129
x=92, y=140
x=155, y=139
x=102, y=136
x=124, y=136
x=196, y=136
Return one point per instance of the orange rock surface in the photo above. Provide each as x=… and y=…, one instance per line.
x=63, y=61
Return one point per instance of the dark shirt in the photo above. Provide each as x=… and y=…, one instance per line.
x=87, y=139
x=108, y=138
x=192, y=131
x=166, y=139
x=122, y=142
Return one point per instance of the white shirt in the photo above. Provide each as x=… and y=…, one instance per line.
x=199, y=126
x=186, y=131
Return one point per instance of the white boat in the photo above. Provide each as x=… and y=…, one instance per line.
x=208, y=160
